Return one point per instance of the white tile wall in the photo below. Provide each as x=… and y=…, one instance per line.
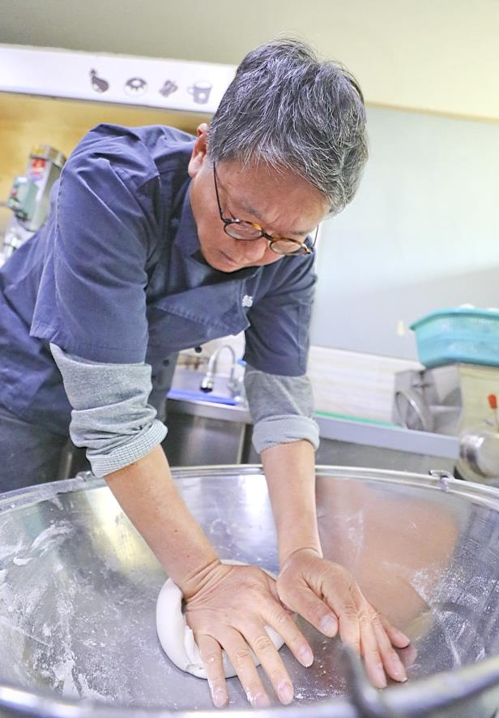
x=354, y=384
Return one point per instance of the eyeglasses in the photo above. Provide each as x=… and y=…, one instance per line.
x=249, y=232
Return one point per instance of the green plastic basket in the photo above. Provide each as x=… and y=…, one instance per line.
x=450, y=336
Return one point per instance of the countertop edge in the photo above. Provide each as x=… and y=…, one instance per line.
x=354, y=432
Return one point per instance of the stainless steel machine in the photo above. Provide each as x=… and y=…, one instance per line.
x=78, y=590
x=456, y=400
x=29, y=197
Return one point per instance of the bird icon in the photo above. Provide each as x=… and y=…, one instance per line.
x=98, y=83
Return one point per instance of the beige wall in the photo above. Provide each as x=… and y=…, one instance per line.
x=27, y=121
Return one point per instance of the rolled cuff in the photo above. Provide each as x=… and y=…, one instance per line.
x=136, y=448
x=283, y=430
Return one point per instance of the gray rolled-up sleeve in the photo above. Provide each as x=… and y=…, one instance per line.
x=281, y=408
x=110, y=415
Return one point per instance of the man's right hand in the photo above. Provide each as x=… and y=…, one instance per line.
x=229, y=612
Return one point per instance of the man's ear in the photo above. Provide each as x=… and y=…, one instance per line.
x=199, y=150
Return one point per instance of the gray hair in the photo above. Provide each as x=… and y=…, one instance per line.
x=291, y=111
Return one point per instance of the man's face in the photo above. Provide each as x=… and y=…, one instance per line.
x=281, y=203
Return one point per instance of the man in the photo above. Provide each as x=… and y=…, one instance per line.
x=156, y=242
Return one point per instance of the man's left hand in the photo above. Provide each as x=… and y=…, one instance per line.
x=328, y=597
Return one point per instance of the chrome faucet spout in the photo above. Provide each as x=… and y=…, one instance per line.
x=208, y=381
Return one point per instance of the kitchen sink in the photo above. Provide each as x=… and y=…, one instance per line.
x=206, y=428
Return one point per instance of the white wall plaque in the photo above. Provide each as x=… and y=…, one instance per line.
x=151, y=82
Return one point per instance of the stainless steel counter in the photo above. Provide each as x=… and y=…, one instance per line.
x=384, y=436
x=214, y=429
x=351, y=431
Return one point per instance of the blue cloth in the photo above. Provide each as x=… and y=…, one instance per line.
x=116, y=275
x=30, y=454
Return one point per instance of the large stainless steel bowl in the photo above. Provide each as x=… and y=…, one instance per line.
x=78, y=589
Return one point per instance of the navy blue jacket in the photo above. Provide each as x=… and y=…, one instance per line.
x=116, y=275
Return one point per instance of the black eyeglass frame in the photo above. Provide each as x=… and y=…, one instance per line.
x=301, y=247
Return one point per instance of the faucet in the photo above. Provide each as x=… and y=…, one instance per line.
x=208, y=380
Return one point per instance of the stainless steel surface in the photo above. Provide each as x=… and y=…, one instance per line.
x=412, y=411
x=78, y=589
x=347, y=437
x=198, y=440
x=479, y=454
x=204, y=433
x=394, y=438
x=209, y=407
x=445, y=400
x=206, y=428
x=359, y=455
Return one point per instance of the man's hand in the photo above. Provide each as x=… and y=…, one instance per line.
x=327, y=596
x=229, y=612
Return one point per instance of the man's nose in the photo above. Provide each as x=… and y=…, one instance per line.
x=252, y=251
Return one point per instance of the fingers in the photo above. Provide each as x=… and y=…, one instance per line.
x=397, y=638
x=361, y=627
x=211, y=654
x=307, y=604
x=284, y=624
x=239, y=652
x=332, y=602
x=380, y=658
x=239, y=655
x=234, y=620
x=271, y=662
x=390, y=659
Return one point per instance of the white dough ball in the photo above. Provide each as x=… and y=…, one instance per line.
x=177, y=639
